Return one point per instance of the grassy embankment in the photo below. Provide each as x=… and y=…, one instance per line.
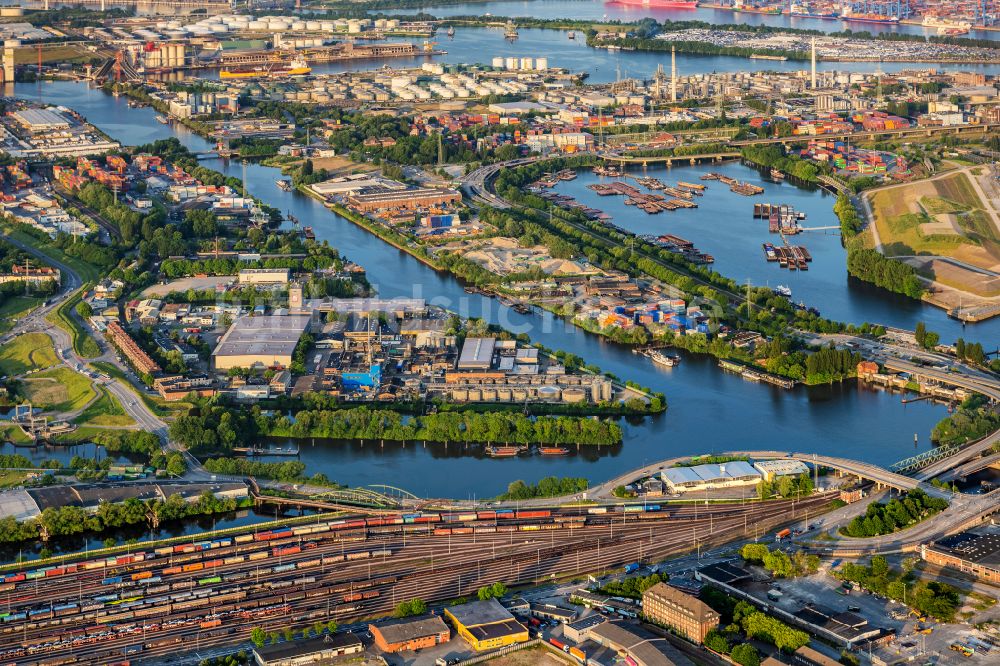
x=59, y=390
x=30, y=351
x=944, y=218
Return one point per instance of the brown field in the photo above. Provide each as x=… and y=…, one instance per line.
x=51, y=53
x=957, y=277
x=943, y=217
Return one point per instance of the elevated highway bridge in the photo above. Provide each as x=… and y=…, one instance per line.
x=876, y=134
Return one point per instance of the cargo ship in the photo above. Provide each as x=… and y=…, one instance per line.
x=660, y=4
x=751, y=9
x=852, y=17
x=805, y=11
x=946, y=26
x=297, y=67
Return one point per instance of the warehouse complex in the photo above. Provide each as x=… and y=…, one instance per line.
x=705, y=477
x=312, y=651
x=486, y=624
x=266, y=341
x=972, y=553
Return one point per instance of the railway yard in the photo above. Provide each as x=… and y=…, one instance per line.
x=164, y=600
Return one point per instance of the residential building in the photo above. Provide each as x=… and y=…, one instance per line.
x=687, y=615
x=139, y=359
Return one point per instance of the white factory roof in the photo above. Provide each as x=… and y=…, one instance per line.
x=478, y=353
x=712, y=473
x=517, y=107
x=271, y=335
x=781, y=467
x=41, y=119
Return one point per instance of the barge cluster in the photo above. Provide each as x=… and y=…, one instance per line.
x=746, y=189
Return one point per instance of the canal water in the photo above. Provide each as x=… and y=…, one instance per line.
x=710, y=411
x=598, y=10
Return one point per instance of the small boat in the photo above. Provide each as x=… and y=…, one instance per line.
x=553, y=450
x=161, y=120
x=659, y=358
x=502, y=451
x=308, y=233
x=782, y=290
x=284, y=184
x=510, y=31
x=777, y=175
x=451, y=31
x=571, y=35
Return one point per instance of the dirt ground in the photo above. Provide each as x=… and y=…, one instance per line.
x=530, y=657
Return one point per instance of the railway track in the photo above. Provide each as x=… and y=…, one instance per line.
x=302, y=579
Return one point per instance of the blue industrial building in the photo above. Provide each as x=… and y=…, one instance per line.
x=353, y=381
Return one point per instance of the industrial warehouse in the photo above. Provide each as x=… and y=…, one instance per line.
x=266, y=341
x=976, y=553
x=486, y=624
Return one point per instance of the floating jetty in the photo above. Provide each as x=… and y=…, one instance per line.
x=680, y=246
x=650, y=203
x=781, y=218
x=755, y=375
x=746, y=189
x=569, y=203
x=792, y=257
x=611, y=171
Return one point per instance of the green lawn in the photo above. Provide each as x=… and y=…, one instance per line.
x=11, y=433
x=14, y=308
x=11, y=479
x=31, y=351
x=105, y=411
x=87, y=272
x=156, y=405
x=83, y=344
x=59, y=390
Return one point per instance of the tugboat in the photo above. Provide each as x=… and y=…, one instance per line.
x=510, y=32
x=777, y=175
x=161, y=120
x=782, y=290
x=284, y=184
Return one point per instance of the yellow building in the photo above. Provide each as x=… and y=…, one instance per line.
x=486, y=625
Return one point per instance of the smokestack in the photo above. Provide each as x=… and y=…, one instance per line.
x=814, y=63
x=673, y=74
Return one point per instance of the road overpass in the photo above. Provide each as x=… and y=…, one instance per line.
x=874, y=473
x=971, y=467
x=978, y=383
x=875, y=134
x=670, y=159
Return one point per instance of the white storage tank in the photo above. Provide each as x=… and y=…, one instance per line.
x=497, y=62
x=257, y=26
x=510, y=63
x=541, y=64
x=313, y=26
x=527, y=63
x=379, y=23
x=353, y=28
x=392, y=24
x=326, y=26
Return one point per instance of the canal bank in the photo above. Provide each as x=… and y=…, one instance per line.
x=709, y=410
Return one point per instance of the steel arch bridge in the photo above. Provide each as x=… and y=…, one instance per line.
x=376, y=496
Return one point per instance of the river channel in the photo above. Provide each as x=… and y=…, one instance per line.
x=481, y=45
x=710, y=411
x=598, y=10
